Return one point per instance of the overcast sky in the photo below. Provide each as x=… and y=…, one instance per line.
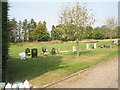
x=48, y=11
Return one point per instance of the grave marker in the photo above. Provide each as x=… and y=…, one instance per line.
x=44, y=49
x=27, y=52
x=95, y=45
x=87, y=46
x=34, y=53
x=14, y=87
x=53, y=51
x=74, y=48
x=22, y=55
x=27, y=85
x=8, y=86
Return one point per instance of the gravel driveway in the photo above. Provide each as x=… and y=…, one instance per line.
x=102, y=76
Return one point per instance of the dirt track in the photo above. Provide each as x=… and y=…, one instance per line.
x=102, y=76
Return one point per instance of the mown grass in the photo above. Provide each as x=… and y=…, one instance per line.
x=43, y=70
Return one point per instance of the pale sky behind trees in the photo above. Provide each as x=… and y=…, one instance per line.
x=48, y=11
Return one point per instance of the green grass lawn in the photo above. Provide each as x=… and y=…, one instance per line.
x=43, y=70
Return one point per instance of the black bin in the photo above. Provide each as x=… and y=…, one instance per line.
x=34, y=53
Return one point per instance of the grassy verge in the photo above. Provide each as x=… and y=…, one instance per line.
x=43, y=70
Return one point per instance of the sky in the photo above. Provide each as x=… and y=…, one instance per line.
x=49, y=11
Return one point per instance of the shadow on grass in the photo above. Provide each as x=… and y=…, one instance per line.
x=20, y=70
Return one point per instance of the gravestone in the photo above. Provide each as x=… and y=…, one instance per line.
x=27, y=85
x=43, y=49
x=34, y=53
x=20, y=85
x=95, y=45
x=14, y=87
x=104, y=46
x=87, y=46
x=22, y=55
x=74, y=48
x=116, y=42
x=27, y=52
x=58, y=51
x=8, y=86
x=53, y=51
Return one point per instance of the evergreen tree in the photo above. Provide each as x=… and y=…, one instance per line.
x=5, y=38
x=40, y=32
x=13, y=29
x=19, y=31
x=25, y=29
x=31, y=28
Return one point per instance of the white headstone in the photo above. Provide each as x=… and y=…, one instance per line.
x=74, y=48
x=21, y=86
x=8, y=86
x=22, y=56
x=27, y=85
x=14, y=87
x=95, y=45
x=87, y=46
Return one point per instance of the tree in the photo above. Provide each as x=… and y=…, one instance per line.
x=89, y=32
x=53, y=35
x=5, y=38
x=58, y=33
x=13, y=29
x=25, y=28
x=19, y=31
x=31, y=27
x=98, y=34
x=40, y=32
x=79, y=17
x=111, y=23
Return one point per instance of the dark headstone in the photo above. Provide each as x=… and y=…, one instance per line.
x=34, y=53
x=43, y=49
x=27, y=52
x=104, y=45
x=53, y=51
x=92, y=47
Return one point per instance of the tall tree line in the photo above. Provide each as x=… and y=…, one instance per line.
x=22, y=31
x=102, y=32
x=27, y=31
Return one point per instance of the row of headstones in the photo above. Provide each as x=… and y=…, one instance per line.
x=24, y=54
x=17, y=86
x=115, y=42
x=87, y=47
x=34, y=52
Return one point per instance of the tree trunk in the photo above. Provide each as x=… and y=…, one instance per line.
x=77, y=42
x=110, y=39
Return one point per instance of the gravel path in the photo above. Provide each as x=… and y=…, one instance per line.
x=102, y=76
